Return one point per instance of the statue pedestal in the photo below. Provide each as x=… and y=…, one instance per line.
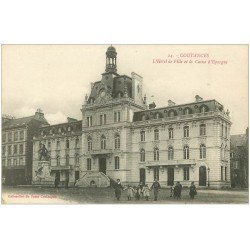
x=43, y=174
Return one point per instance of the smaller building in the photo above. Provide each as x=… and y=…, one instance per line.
x=17, y=147
x=239, y=160
x=63, y=142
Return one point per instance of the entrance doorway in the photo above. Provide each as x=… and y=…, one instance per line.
x=170, y=176
x=202, y=176
x=142, y=175
x=102, y=165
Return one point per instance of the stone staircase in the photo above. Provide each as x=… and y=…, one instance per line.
x=94, y=179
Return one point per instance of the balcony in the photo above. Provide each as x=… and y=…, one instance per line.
x=171, y=162
x=62, y=167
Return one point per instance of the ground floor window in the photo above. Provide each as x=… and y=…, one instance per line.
x=89, y=164
x=117, y=162
x=186, y=173
x=156, y=174
x=225, y=173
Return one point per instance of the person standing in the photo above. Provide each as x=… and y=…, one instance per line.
x=146, y=192
x=57, y=181
x=192, y=190
x=156, y=186
x=130, y=192
x=118, y=189
x=177, y=190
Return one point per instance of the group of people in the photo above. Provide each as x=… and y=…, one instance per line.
x=143, y=191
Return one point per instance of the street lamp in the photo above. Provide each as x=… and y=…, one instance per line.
x=208, y=183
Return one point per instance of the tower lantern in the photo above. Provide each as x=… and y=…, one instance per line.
x=111, y=60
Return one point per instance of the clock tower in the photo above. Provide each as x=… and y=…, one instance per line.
x=111, y=57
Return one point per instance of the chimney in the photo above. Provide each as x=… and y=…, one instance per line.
x=152, y=105
x=171, y=103
x=198, y=98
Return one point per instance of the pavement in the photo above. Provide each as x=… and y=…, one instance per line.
x=50, y=195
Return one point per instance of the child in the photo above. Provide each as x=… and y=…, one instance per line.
x=145, y=191
x=130, y=192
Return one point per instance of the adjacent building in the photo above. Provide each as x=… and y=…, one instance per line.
x=17, y=147
x=121, y=136
x=239, y=160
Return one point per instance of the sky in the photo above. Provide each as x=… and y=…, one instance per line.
x=56, y=78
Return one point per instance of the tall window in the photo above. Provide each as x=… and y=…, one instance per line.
x=156, y=154
x=58, y=160
x=143, y=135
x=225, y=173
x=226, y=131
x=89, y=143
x=221, y=172
x=4, y=137
x=156, y=174
x=49, y=145
x=67, y=160
x=187, y=111
x=186, y=152
x=117, y=116
x=103, y=142
x=58, y=144
x=89, y=164
x=15, y=162
x=10, y=136
x=170, y=133
x=21, y=161
x=9, y=150
x=67, y=143
x=15, y=149
x=186, y=173
x=21, y=135
x=117, y=162
x=203, y=129
x=103, y=119
x=77, y=161
x=3, y=150
x=222, y=129
x=15, y=136
x=202, y=151
x=203, y=109
x=142, y=155
x=222, y=152
x=186, y=131
x=77, y=142
x=170, y=153
x=89, y=121
x=156, y=134
x=117, y=141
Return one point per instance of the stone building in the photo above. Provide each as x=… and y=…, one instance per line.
x=63, y=142
x=17, y=147
x=123, y=137
x=239, y=160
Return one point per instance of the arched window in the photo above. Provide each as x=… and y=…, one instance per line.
x=157, y=115
x=89, y=143
x=170, y=153
x=67, y=143
x=156, y=134
x=203, y=129
x=186, y=131
x=187, y=111
x=67, y=160
x=77, y=160
x=143, y=118
x=117, y=162
x=202, y=151
x=142, y=135
x=58, y=160
x=117, y=141
x=171, y=133
x=103, y=142
x=142, y=155
x=156, y=154
x=171, y=113
x=203, y=108
x=186, y=152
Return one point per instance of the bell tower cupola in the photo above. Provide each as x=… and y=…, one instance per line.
x=111, y=57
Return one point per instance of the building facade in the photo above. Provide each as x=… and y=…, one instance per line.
x=239, y=160
x=123, y=137
x=17, y=147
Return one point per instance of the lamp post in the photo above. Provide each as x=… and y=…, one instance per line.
x=208, y=183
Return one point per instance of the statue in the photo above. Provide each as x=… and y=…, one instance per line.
x=43, y=153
